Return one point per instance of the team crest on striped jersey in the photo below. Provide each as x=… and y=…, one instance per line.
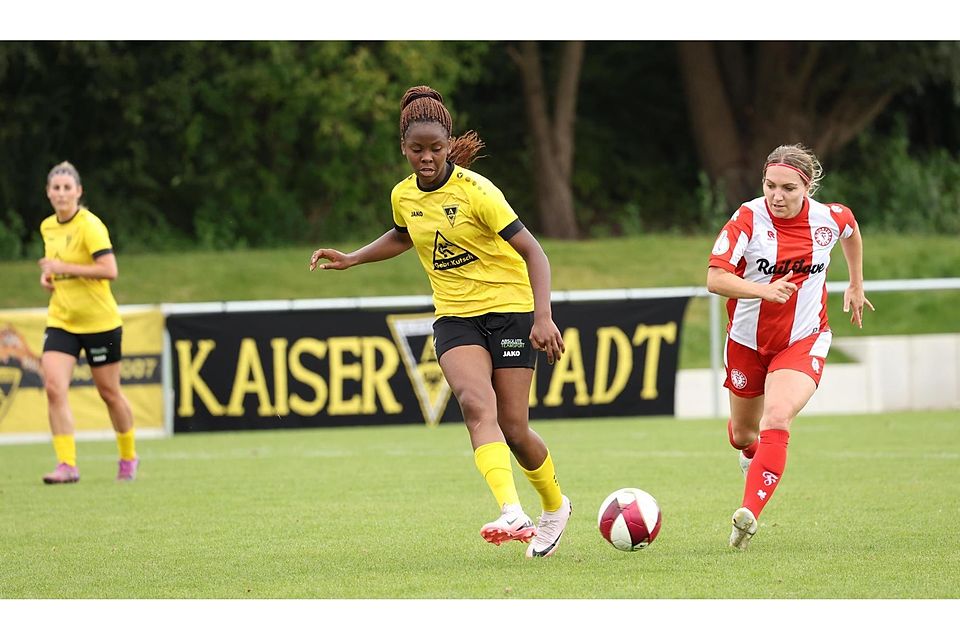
x=413, y=335
x=823, y=236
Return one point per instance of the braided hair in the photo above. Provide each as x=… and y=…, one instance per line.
x=423, y=104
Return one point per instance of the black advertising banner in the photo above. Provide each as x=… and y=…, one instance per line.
x=344, y=367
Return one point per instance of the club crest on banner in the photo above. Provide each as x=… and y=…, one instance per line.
x=413, y=335
x=15, y=358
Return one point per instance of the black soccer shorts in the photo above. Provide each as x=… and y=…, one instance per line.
x=505, y=335
x=101, y=348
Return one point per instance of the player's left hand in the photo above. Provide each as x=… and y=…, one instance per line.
x=545, y=336
x=854, y=299
x=51, y=265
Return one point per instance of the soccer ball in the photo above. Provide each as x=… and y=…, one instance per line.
x=629, y=519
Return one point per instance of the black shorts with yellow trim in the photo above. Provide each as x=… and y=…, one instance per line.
x=505, y=335
x=100, y=348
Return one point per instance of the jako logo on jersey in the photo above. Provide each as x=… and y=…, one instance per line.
x=738, y=378
x=515, y=343
x=823, y=236
x=782, y=268
x=771, y=234
x=416, y=214
x=769, y=478
x=511, y=354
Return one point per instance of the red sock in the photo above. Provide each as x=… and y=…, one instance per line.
x=748, y=451
x=766, y=469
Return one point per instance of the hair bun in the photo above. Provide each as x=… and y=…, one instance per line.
x=422, y=91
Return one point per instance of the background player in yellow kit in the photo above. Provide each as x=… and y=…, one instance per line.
x=77, y=268
x=491, y=290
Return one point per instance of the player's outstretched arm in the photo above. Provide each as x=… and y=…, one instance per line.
x=853, y=297
x=389, y=245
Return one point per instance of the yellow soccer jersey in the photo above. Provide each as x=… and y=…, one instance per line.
x=79, y=305
x=456, y=230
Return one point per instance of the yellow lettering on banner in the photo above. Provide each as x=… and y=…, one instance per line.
x=190, y=380
x=318, y=349
x=376, y=382
x=279, y=346
x=339, y=372
x=607, y=336
x=569, y=369
x=653, y=335
x=248, y=364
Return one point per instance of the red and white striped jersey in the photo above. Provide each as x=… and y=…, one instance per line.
x=759, y=247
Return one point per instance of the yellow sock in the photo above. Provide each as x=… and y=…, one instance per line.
x=66, y=449
x=126, y=445
x=493, y=461
x=544, y=480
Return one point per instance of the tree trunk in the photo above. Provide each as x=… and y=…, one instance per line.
x=552, y=138
x=745, y=99
x=714, y=126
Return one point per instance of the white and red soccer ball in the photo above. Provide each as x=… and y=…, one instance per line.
x=629, y=519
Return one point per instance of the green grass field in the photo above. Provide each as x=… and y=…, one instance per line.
x=867, y=509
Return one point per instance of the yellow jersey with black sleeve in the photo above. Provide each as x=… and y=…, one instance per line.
x=460, y=230
x=79, y=305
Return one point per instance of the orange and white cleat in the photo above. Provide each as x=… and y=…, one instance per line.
x=513, y=524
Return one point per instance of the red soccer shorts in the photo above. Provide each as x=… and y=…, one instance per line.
x=747, y=368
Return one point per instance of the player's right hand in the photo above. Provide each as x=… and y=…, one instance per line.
x=337, y=259
x=46, y=280
x=781, y=290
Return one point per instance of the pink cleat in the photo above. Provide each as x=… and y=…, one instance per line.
x=513, y=524
x=128, y=469
x=63, y=474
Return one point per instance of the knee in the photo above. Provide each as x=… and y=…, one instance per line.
x=778, y=417
x=110, y=395
x=475, y=406
x=515, y=435
x=742, y=435
x=56, y=390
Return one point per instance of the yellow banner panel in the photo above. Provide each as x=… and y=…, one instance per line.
x=23, y=403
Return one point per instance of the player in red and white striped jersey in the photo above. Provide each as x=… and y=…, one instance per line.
x=771, y=261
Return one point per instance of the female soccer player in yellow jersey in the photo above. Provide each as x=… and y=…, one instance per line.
x=77, y=267
x=491, y=291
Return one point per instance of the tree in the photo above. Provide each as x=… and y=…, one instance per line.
x=224, y=144
x=746, y=98
x=552, y=136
